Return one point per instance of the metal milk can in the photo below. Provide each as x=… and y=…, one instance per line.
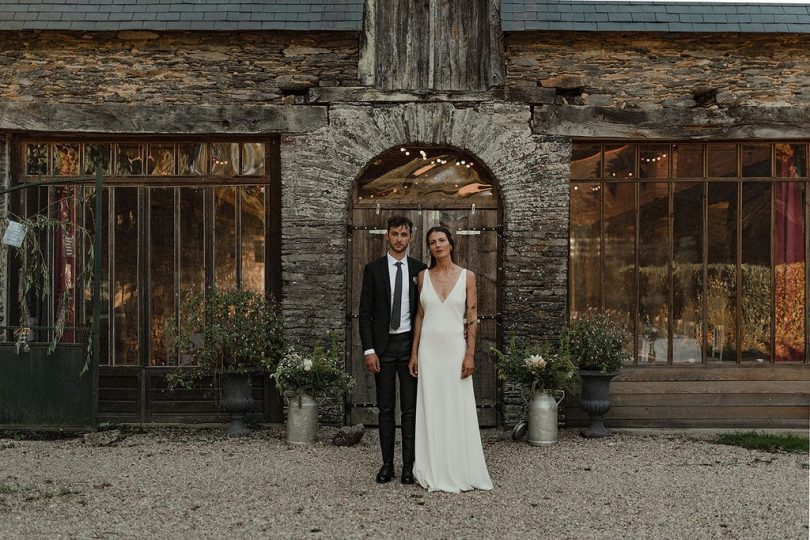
x=302, y=420
x=543, y=417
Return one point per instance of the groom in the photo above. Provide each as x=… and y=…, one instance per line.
x=388, y=305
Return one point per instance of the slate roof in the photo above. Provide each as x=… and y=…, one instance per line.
x=579, y=15
x=181, y=14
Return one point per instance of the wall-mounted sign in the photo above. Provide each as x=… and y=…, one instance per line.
x=15, y=234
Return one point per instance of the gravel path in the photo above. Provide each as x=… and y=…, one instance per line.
x=195, y=483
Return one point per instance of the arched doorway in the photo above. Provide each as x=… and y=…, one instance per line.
x=431, y=185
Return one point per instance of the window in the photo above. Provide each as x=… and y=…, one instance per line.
x=177, y=217
x=699, y=248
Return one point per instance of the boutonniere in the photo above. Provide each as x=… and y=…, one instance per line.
x=415, y=280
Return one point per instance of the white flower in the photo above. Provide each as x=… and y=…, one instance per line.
x=307, y=364
x=536, y=361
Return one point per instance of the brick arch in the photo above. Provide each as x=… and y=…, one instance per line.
x=320, y=167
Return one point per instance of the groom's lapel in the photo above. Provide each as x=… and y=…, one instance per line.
x=386, y=280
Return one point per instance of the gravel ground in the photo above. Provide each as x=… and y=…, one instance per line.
x=196, y=483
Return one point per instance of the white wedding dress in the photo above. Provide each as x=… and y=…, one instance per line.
x=449, y=456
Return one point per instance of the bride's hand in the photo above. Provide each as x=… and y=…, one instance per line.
x=413, y=366
x=467, y=366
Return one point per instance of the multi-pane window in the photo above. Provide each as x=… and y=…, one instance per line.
x=699, y=248
x=177, y=217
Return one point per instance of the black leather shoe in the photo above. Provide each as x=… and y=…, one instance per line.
x=386, y=473
x=407, y=475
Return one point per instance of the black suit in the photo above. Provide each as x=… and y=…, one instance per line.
x=394, y=352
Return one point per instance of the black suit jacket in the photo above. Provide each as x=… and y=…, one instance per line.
x=375, y=301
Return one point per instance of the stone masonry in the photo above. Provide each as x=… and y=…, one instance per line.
x=173, y=68
x=634, y=70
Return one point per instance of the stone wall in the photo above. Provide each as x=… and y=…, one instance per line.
x=5, y=179
x=201, y=68
x=319, y=168
x=648, y=70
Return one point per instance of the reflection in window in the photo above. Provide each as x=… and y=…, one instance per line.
x=224, y=159
x=653, y=272
x=252, y=159
x=755, y=324
x=586, y=161
x=654, y=161
x=789, y=229
x=97, y=155
x=756, y=160
x=687, y=160
x=419, y=175
x=66, y=159
x=721, y=288
x=225, y=237
x=161, y=160
x=687, y=268
x=168, y=225
x=620, y=162
x=620, y=231
x=130, y=159
x=729, y=253
x=161, y=271
x=584, y=245
x=253, y=234
x=192, y=159
x=36, y=159
x=125, y=277
x=722, y=160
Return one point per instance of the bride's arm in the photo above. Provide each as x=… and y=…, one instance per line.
x=468, y=365
x=413, y=365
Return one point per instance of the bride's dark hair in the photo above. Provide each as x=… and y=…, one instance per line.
x=446, y=231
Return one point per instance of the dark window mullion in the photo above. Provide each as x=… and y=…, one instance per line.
x=237, y=208
x=670, y=269
x=143, y=277
x=174, y=358
x=739, y=295
x=112, y=359
x=705, y=286
x=772, y=295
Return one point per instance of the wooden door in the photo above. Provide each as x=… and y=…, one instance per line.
x=477, y=237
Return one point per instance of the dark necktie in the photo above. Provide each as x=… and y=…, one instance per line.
x=396, y=305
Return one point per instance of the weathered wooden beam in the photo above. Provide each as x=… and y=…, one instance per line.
x=346, y=94
x=695, y=123
x=193, y=119
x=534, y=95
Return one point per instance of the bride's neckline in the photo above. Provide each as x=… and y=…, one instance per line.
x=453, y=288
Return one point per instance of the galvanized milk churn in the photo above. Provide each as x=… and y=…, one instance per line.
x=543, y=417
x=302, y=420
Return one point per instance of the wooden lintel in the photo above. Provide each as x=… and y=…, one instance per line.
x=162, y=118
x=362, y=94
x=536, y=95
x=736, y=122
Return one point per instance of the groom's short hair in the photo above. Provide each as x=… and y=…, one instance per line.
x=399, y=221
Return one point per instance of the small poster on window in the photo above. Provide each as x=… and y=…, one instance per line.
x=14, y=235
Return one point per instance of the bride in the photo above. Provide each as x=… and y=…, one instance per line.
x=449, y=456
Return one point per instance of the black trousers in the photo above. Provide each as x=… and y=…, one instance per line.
x=394, y=363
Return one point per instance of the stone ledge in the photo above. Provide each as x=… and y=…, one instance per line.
x=675, y=123
x=174, y=119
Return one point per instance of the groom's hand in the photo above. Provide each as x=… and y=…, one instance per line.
x=372, y=362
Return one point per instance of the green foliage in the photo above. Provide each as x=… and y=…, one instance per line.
x=595, y=342
x=318, y=374
x=231, y=331
x=761, y=441
x=35, y=272
x=533, y=364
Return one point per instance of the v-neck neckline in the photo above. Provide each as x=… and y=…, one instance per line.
x=451, y=290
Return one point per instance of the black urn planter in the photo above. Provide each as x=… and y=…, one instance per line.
x=595, y=399
x=237, y=400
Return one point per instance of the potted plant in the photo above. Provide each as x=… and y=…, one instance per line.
x=227, y=335
x=304, y=379
x=539, y=369
x=595, y=344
